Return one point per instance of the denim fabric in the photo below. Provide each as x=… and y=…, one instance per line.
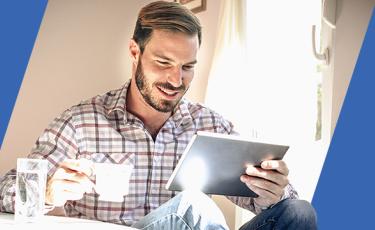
x=287, y=214
x=188, y=210
x=196, y=211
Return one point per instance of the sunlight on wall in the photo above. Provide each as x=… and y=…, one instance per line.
x=283, y=80
x=268, y=87
x=282, y=83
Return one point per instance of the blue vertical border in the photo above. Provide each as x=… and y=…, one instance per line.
x=345, y=196
x=19, y=25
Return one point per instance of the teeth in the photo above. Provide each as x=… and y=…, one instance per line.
x=168, y=92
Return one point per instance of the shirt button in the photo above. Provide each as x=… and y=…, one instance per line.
x=156, y=159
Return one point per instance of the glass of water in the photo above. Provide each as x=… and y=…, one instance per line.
x=30, y=189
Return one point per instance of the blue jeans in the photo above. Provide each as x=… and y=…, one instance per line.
x=287, y=214
x=195, y=210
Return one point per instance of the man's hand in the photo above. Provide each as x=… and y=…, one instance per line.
x=268, y=181
x=69, y=182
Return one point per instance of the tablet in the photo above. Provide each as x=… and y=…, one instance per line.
x=213, y=163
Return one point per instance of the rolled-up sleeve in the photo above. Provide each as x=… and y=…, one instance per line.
x=249, y=203
x=55, y=144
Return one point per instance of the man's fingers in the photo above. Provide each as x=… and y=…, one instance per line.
x=63, y=174
x=263, y=194
x=277, y=165
x=71, y=186
x=66, y=174
x=69, y=182
x=268, y=181
x=62, y=190
x=82, y=166
x=270, y=175
x=263, y=184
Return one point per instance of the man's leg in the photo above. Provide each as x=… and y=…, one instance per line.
x=187, y=210
x=287, y=214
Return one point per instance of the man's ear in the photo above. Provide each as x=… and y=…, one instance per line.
x=134, y=51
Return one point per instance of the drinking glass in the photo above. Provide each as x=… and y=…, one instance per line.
x=30, y=189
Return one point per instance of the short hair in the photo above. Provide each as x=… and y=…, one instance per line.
x=169, y=16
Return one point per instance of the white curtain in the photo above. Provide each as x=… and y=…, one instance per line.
x=264, y=78
x=229, y=61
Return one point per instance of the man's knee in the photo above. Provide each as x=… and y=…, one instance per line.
x=194, y=200
x=193, y=209
x=200, y=209
x=298, y=211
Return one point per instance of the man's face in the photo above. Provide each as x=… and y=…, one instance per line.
x=166, y=69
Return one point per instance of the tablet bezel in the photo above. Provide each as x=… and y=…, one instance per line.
x=224, y=161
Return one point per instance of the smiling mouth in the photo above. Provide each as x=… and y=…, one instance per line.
x=170, y=94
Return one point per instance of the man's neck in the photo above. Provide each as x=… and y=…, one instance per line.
x=151, y=118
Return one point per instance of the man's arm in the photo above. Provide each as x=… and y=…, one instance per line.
x=7, y=191
x=57, y=143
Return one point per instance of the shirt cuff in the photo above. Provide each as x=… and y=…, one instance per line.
x=48, y=208
x=289, y=192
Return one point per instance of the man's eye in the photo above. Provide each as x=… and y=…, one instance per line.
x=188, y=67
x=164, y=63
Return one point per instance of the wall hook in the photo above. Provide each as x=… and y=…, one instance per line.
x=320, y=56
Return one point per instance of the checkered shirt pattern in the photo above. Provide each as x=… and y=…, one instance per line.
x=101, y=130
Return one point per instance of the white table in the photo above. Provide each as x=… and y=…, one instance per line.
x=56, y=223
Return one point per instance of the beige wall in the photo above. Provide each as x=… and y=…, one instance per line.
x=81, y=51
x=344, y=41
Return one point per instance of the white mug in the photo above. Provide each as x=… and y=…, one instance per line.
x=112, y=181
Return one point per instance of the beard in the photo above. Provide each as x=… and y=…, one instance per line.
x=145, y=88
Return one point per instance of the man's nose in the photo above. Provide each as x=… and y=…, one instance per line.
x=175, y=76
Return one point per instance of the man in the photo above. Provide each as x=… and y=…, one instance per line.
x=148, y=123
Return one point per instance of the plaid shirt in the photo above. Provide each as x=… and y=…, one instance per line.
x=101, y=129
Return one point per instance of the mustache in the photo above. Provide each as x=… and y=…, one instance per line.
x=170, y=87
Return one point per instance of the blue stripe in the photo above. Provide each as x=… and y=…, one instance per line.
x=345, y=196
x=19, y=25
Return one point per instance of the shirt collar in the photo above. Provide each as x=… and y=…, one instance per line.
x=181, y=114
x=118, y=103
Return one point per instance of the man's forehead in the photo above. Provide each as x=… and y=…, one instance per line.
x=168, y=44
x=162, y=34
